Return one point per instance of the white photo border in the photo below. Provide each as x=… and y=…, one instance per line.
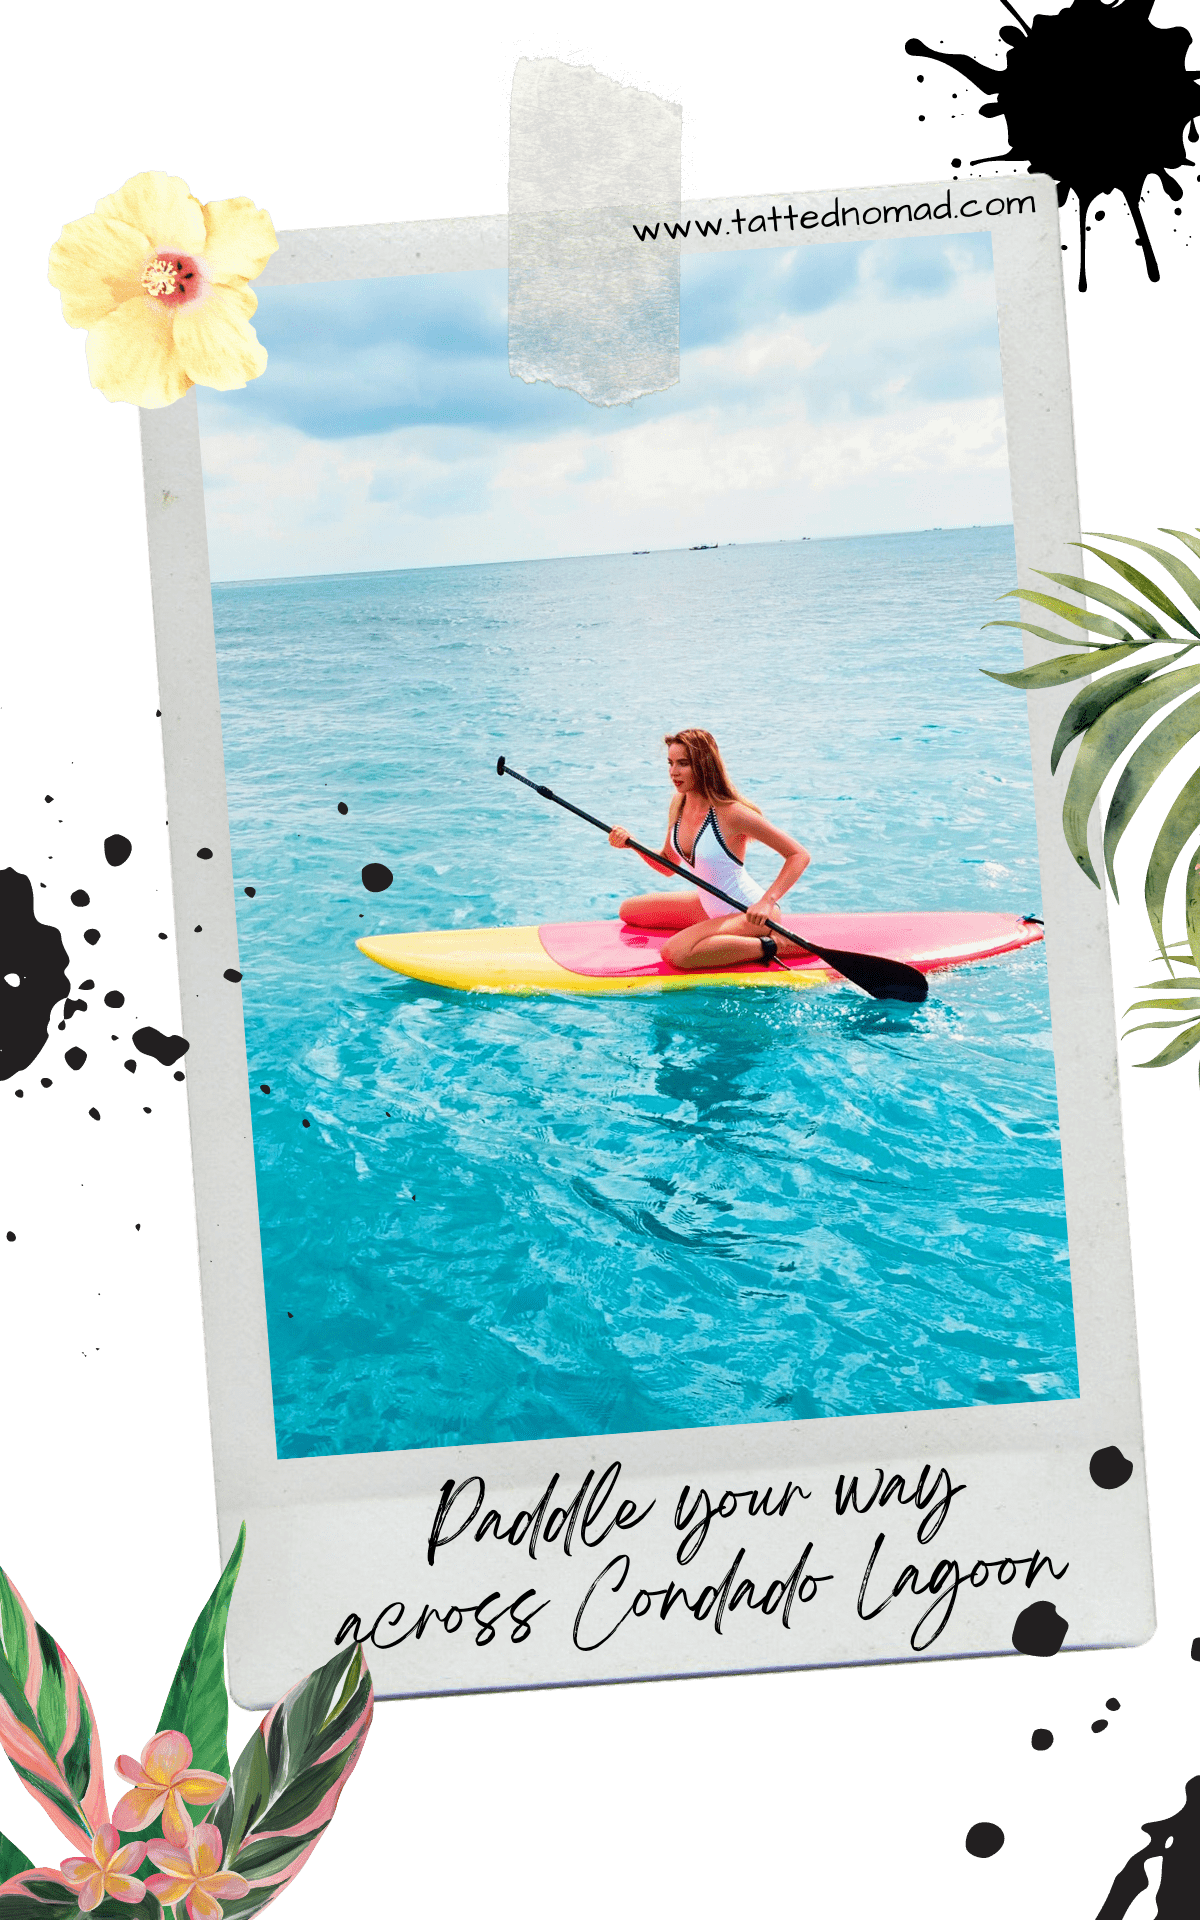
x=337, y=1539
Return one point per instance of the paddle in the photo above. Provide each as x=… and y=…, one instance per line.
x=883, y=979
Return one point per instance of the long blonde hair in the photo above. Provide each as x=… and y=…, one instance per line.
x=704, y=758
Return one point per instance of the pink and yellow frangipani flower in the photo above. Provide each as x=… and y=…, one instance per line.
x=164, y=1779
x=162, y=285
x=107, y=1873
x=192, y=1874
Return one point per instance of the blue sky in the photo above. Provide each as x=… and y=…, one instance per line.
x=844, y=388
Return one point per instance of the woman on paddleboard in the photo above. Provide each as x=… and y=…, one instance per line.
x=708, y=829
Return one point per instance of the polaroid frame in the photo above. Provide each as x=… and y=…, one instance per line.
x=714, y=1549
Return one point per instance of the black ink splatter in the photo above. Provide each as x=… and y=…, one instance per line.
x=114, y=998
x=342, y=807
x=75, y=1057
x=1039, y=1629
x=72, y=1006
x=204, y=853
x=308, y=1123
x=87, y=986
x=117, y=849
x=377, y=878
x=263, y=1087
x=1094, y=96
x=985, y=1839
x=249, y=893
x=33, y=956
x=131, y=1066
x=91, y=935
x=1176, y=1842
x=164, y=1047
x=1196, y=1649
x=1114, y=1706
x=94, y=1113
x=81, y=899
x=231, y=973
x=1040, y=1739
x=1109, y=1468
x=1098, y=1726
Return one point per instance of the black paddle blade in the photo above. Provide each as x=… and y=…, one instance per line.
x=500, y=764
x=882, y=979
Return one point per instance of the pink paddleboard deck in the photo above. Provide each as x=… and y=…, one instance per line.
x=609, y=950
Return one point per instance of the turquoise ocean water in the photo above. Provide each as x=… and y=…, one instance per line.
x=528, y=1218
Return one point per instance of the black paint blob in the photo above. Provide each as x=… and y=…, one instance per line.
x=94, y=1113
x=1094, y=96
x=1040, y=1739
x=131, y=1066
x=204, y=853
x=75, y=1057
x=114, y=999
x=1176, y=1842
x=164, y=1047
x=10, y=1236
x=985, y=1839
x=342, y=807
x=231, y=973
x=1039, y=1629
x=117, y=849
x=1109, y=1468
x=72, y=1006
x=308, y=1123
x=91, y=935
x=1098, y=1726
x=1114, y=1706
x=377, y=878
x=249, y=893
x=263, y=1087
x=34, y=954
x=87, y=986
x=177, y=1076
x=81, y=899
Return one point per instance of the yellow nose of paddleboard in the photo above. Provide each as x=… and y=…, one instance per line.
x=513, y=960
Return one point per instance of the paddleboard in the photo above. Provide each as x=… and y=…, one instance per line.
x=606, y=956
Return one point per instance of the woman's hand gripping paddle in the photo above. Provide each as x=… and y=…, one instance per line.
x=883, y=979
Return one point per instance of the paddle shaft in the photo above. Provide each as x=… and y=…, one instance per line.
x=882, y=978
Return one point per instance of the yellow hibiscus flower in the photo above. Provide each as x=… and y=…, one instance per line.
x=162, y=286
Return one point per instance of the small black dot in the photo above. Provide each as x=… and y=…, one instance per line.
x=117, y=849
x=306, y=1123
x=249, y=893
x=231, y=973
x=49, y=798
x=204, y=853
x=342, y=807
x=10, y=1236
x=1109, y=1468
x=95, y=1112
x=162, y=936
x=145, y=1109
x=1099, y=214
x=263, y=1087
x=47, y=1083
x=956, y=163
x=1041, y=1738
x=291, y=1316
x=75, y=1057
x=131, y=1066
x=137, y=1226
x=20, y=1093
x=81, y=899
x=1098, y=1726
x=91, y=935
x=114, y=998
x=376, y=878
x=985, y=1839
x=87, y=986
x=177, y=1076
x=1114, y=1706
x=158, y=713
x=920, y=116
x=197, y=929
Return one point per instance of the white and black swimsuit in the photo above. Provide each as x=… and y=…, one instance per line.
x=711, y=860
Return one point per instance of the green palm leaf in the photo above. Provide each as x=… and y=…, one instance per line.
x=1067, y=610
x=1109, y=597
x=1188, y=539
x=1174, y=834
x=1140, y=580
x=1142, y=770
x=1056, y=639
x=1191, y=909
x=198, y=1704
x=1175, y=1049
x=1179, y=571
x=1091, y=701
x=1068, y=666
x=1103, y=745
x=12, y=1860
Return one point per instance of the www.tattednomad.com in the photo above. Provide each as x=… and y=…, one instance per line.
x=840, y=214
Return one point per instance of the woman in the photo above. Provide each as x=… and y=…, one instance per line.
x=708, y=828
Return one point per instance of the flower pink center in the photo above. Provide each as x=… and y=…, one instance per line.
x=172, y=279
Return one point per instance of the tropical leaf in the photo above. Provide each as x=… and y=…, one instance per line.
x=286, y=1783
x=1103, y=745
x=41, y=1895
x=1174, y=1051
x=198, y=1702
x=1178, y=569
x=1057, y=639
x=1189, y=539
x=1142, y=769
x=1068, y=666
x=1182, y=999
x=1091, y=701
x=47, y=1727
x=1176, y=830
x=1140, y=580
x=1067, y=610
x=12, y=1860
x=1109, y=597
x=1191, y=909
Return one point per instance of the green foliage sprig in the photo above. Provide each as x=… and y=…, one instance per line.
x=1120, y=709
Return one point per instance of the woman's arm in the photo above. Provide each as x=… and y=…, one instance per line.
x=619, y=837
x=752, y=826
